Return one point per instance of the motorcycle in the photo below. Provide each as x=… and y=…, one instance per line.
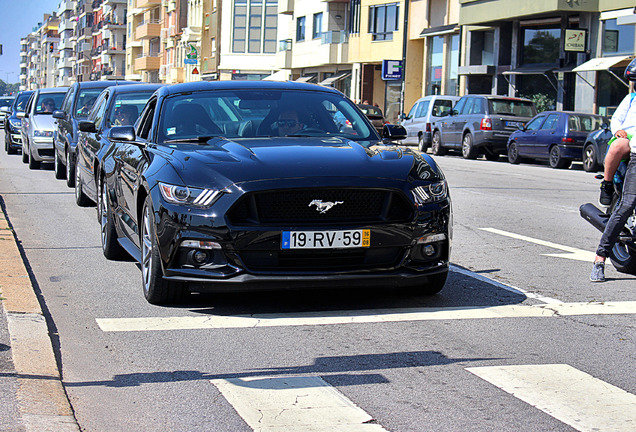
x=623, y=254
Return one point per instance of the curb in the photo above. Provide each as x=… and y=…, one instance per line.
x=42, y=400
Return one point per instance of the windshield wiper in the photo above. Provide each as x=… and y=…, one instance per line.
x=199, y=139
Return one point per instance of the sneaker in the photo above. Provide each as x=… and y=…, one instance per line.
x=598, y=272
x=607, y=192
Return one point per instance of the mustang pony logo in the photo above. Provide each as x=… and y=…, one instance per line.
x=324, y=207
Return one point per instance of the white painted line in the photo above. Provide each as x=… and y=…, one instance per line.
x=294, y=404
x=510, y=288
x=363, y=316
x=571, y=253
x=567, y=394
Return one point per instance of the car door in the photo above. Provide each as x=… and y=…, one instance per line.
x=65, y=125
x=546, y=136
x=526, y=138
x=449, y=132
x=131, y=159
x=89, y=143
x=26, y=120
x=461, y=121
x=409, y=125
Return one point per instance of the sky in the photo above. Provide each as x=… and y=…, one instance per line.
x=17, y=19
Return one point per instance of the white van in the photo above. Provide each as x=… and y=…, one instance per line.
x=425, y=112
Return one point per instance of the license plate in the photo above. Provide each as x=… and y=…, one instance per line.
x=514, y=123
x=325, y=239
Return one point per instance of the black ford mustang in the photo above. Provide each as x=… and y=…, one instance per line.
x=231, y=186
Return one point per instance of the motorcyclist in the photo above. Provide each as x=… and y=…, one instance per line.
x=627, y=204
x=623, y=126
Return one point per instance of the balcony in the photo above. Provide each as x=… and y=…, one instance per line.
x=144, y=4
x=85, y=33
x=148, y=61
x=114, y=2
x=64, y=63
x=66, y=5
x=148, y=30
x=114, y=49
x=286, y=7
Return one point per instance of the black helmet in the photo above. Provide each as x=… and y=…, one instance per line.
x=630, y=71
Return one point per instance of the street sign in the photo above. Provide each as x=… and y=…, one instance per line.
x=190, y=61
x=391, y=70
x=575, y=40
x=195, y=71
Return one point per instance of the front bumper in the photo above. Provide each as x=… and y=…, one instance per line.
x=41, y=149
x=15, y=139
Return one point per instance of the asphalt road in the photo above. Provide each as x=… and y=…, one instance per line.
x=188, y=367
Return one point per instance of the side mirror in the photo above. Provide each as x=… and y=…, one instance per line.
x=394, y=132
x=453, y=112
x=605, y=126
x=5, y=109
x=60, y=115
x=21, y=115
x=521, y=127
x=122, y=133
x=403, y=116
x=85, y=125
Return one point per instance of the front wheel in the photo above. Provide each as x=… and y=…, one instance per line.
x=422, y=147
x=111, y=248
x=70, y=170
x=60, y=170
x=513, y=153
x=436, y=146
x=468, y=149
x=33, y=164
x=25, y=154
x=80, y=197
x=589, y=159
x=622, y=256
x=157, y=290
x=434, y=285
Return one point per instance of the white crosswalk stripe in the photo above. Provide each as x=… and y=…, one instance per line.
x=569, y=395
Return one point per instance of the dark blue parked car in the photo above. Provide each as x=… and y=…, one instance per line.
x=555, y=136
x=596, y=148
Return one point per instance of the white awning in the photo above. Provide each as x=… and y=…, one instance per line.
x=281, y=75
x=332, y=79
x=306, y=78
x=601, y=63
x=529, y=70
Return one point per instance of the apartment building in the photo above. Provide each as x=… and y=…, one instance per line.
x=66, y=30
x=210, y=34
x=108, y=48
x=83, y=40
x=49, y=41
x=174, y=20
x=24, y=63
x=143, y=49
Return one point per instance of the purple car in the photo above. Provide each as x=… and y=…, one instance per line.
x=555, y=136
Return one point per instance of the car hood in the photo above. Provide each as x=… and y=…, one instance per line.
x=43, y=122
x=224, y=162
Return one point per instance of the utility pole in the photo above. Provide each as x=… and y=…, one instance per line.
x=405, y=39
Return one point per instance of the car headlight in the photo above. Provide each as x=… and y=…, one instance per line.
x=16, y=123
x=431, y=193
x=189, y=196
x=43, y=133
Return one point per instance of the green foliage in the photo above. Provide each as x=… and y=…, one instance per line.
x=6, y=89
x=542, y=101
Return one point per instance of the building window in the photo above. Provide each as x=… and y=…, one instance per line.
x=254, y=27
x=451, y=86
x=435, y=62
x=354, y=17
x=316, y=30
x=541, y=46
x=300, y=29
x=383, y=21
x=617, y=39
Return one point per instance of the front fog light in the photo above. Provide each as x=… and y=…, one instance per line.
x=199, y=257
x=429, y=250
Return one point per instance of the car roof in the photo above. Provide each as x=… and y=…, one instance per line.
x=242, y=85
x=7, y=97
x=489, y=96
x=103, y=84
x=431, y=97
x=53, y=90
x=569, y=113
x=134, y=88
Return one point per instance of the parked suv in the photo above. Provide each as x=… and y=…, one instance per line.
x=13, y=124
x=481, y=124
x=419, y=121
x=76, y=106
x=37, y=125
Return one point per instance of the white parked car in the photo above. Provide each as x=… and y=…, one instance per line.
x=38, y=125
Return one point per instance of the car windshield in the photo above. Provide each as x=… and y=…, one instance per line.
x=512, y=107
x=127, y=107
x=370, y=110
x=584, y=123
x=255, y=113
x=5, y=102
x=85, y=101
x=48, y=102
x=20, y=104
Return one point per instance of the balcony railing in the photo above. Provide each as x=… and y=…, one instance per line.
x=334, y=37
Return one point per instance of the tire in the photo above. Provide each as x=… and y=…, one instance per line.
x=623, y=259
x=33, y=164
x=60, y=170
x=513, y=153
x=80, y=197
x=556, y=160
x=25, y=152
x=111, y=248
x=10, y=150
x=70, y=170
x=157, y=290
x=436, y=145
x=420, y=144
x=468, y=149
x=589, y=159
x=434, y=285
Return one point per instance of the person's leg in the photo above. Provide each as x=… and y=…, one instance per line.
x=616, y=152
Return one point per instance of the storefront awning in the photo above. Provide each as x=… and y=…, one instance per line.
x=306, y=78
x=281, y=75
x=601, y=63
x=337, y=77
x=439, y=30
x=530, y=70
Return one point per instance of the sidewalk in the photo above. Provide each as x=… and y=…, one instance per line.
x=31, y=392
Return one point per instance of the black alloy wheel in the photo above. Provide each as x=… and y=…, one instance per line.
x=468, y=149
x=513, y=153
x=157, y=290
x=60, y=170
x=589, y=159
x=111, y=248
x=436, y=145
x=70, y=171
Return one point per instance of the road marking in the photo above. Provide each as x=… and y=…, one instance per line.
x=363, y=316
x=294, y=404
x=569, y=395
x=571, y=253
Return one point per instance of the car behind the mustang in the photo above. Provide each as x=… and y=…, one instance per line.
x=231, y=186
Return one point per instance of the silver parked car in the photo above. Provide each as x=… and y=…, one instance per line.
x=425, y=111
x=38, y=125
